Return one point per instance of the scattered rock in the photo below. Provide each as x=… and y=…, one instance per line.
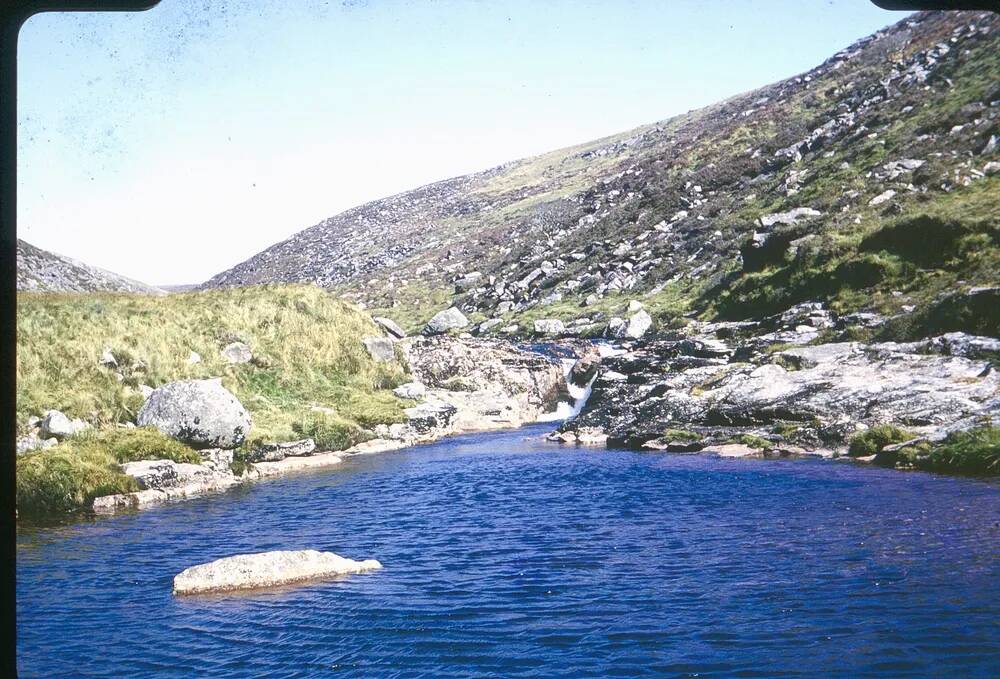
x=237, y=353
x=381, y=349
x=390, y=326
x=411, y=390
x=446, y=320
x=549, y=326
x=56, y=424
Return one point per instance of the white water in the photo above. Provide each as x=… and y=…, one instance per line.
x=566, y=410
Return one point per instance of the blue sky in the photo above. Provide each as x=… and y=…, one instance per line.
x=171, y=144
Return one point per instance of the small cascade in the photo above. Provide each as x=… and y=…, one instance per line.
x=566, y=410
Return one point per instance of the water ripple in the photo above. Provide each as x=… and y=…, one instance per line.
x=506, y=556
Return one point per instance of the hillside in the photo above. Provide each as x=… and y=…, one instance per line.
x=827, y=186
x=39, y=270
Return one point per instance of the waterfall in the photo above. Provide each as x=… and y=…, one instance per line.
x=566, y=410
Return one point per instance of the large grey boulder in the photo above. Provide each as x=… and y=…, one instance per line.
x=446, y=320
x=201, y=413
x=268, y=569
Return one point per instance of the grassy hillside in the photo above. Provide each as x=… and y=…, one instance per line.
x=306, y=345
x=310, y=376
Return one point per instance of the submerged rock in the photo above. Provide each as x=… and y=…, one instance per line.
x=267, y=569
x=201, y=413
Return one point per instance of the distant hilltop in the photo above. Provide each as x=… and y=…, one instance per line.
x=39, y=270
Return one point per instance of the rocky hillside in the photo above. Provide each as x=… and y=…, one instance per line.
x=869, y=182
x=39, y=270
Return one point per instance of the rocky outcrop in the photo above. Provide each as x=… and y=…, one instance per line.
x=490, y=383
x=699, y=391
x=201, y=413
x=267, y=569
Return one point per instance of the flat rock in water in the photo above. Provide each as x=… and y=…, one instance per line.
x=267, y=569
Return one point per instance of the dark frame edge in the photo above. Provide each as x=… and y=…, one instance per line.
x=13, y=15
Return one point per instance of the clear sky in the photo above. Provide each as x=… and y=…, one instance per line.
x=171, y=144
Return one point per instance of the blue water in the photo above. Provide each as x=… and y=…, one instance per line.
x=508, y=556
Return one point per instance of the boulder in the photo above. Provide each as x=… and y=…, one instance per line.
x=193, y=358
x=237, y=353
x=487, y=325
x=882, y=197
x=157, y=474
x=549, y=326
x=632, y=328
x=381, y=349
x=26, y=444
x=430, y=415
x=56, y=424
x=586, y=366
x=446, y=320
x=733, y=450
x=217, y=459
x=267, y=569
x=390, y=326
x=201, y=413
x=638, y=324
x=412, y=390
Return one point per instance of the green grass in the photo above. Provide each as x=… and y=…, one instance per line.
x=975, y=452
x=680, y=435
x=306, y=343
x=873, y=440
x=925, y=253
x=307, y=353
x=68, y=476
x=329, y=431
